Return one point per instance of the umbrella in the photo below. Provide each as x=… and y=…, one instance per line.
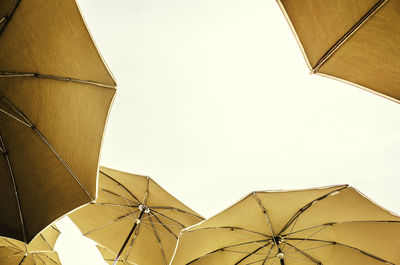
x=354, y=41
x=40, y=251
x=330, y=226
x=109, y=257
x=55, y=95
x=134, y=217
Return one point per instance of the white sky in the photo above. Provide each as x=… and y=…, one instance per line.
x=215, y=101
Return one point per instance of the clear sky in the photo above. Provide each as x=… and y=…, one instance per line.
x=215, y=100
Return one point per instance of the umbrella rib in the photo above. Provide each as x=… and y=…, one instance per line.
x=11, y=175
x=8, y=18
x=118, y=195
x=146, y=196
x=119, y=183
x=224, y=249
x=290, y=233
x=23, y=260
x=265, y=213
x=269, y=252
x=252, y=253
x=47, y=243
x=163, y=215
x=41, y=136
x=107, y=224
x=337, y=223
x=348, y=34
x=49, y=258
x=308, y=205
x=344, y=245
x=6, y=74
x=275, y=240
x=14, y=117
x=304, y=254
x=177, y=209
x=166, y=227
x=158, y=239
x=227, y=227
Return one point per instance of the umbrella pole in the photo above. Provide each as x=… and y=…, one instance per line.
x=129, y=236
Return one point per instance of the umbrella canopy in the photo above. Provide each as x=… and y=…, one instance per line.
x=39, y=252
x=352, y=40
x=135, y=217
x=109, y=257
x=55, y=95
x=331, y=226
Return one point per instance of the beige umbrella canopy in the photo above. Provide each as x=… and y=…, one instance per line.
x=55, y=94
x=134, y=217
x=109, y=257
x=322, y=226
x=352, y=40
x=39, y=252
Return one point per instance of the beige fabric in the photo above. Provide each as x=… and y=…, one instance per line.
x=110, y=219
x=369, y=58
x=40, y=250
x=333, y=225
x=67, y=100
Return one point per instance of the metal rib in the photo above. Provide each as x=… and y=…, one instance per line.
x=304, y=254
x=338, y=223
x=11, y=174
x=8, y=18
x=128, y=237
x=146, y=196
x=177, y=209
x=305, y=207
x=164, y=225
x=107, y=224
x=282, y=261
x=255, y=251
x=348, y=34
x=32, y=126
x=47, y=243
x=344, y=245
x=159, y=240
x=119, y=183
x=53, y=77
x=169, y=218
x=122, y=197
x=15, y=118
x=232, y=228
x=267, y=257
x=22, y=260
x=231, y=246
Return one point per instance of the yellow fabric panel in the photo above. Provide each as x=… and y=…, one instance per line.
x=378, y=238
x=348, y=205
x=319, y=24
x=50, y=37
x=371, y=57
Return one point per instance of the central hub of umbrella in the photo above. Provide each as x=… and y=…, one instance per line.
x=277, y=239
x=144, y=208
